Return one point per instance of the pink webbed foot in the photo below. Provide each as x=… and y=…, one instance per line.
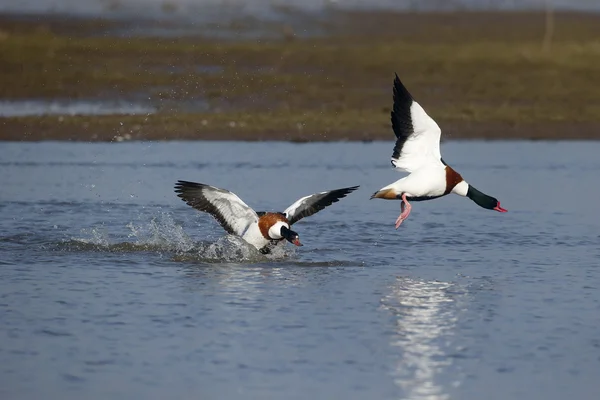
x=405, y=208
x=399, y=221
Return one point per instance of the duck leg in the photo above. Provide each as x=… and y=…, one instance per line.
x=405, y=208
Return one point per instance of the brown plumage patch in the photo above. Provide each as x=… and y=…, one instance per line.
x=453, y=178
x=388, y=194
x=268, y=220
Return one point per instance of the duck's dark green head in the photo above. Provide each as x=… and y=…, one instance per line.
x=483, y=200
x=290, y=236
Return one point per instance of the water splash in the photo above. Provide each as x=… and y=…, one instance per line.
x=163, y=235
x=161, y=232
x=226, y=249
x=97, y=237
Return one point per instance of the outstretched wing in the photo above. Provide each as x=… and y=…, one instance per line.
x=314, y=203
x=418, y=135
x=232, y=213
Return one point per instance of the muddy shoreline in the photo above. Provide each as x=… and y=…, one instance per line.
x=475, y=77
x=45, y=129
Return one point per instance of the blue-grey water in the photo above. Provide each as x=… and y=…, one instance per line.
x=61, y=107
x=201, y=9
x=250, y=19
x=112, y=287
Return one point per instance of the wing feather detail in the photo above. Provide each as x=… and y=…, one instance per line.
x=417, y=134
x=227, y=208
x=309, y=205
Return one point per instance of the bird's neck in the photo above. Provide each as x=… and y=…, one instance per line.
x=461, y=188
x=480, y=198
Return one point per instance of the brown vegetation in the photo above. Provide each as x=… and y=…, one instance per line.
x=480, y=75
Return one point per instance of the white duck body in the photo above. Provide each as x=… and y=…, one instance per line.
x=253, y=236
x=256, y=238
x=427, y=182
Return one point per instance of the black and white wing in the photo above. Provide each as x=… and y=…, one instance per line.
x=309, y=205
x=418, y=135
x=232, y=213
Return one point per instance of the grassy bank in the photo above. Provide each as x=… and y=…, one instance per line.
x=480, y=75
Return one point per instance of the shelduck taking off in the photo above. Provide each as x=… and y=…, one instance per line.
x=417, y=151
x=262, y=230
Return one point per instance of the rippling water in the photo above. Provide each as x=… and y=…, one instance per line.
x=112, y=287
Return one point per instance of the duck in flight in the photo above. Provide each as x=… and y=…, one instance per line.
x=417, y=151
x=262, y=230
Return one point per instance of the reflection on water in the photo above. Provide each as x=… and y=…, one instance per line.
x=426, y=315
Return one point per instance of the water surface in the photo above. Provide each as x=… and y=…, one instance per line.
x=269, y=9
x=38, y=107
x=112, y=287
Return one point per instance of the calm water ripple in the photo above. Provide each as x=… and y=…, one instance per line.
x=112, y=287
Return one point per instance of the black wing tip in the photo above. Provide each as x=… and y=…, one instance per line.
x=325, y=199
x=341, y=193
x=400, y=116
x=188, y=183
x=191, y=194
x=347, y=190
x=183, y=188
x=400, y=91
x=180, y=186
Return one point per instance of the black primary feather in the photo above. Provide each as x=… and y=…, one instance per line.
x=319, y=202
x=402, y=123
x=191, y=193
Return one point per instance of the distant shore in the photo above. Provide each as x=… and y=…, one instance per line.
x=480, y=75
